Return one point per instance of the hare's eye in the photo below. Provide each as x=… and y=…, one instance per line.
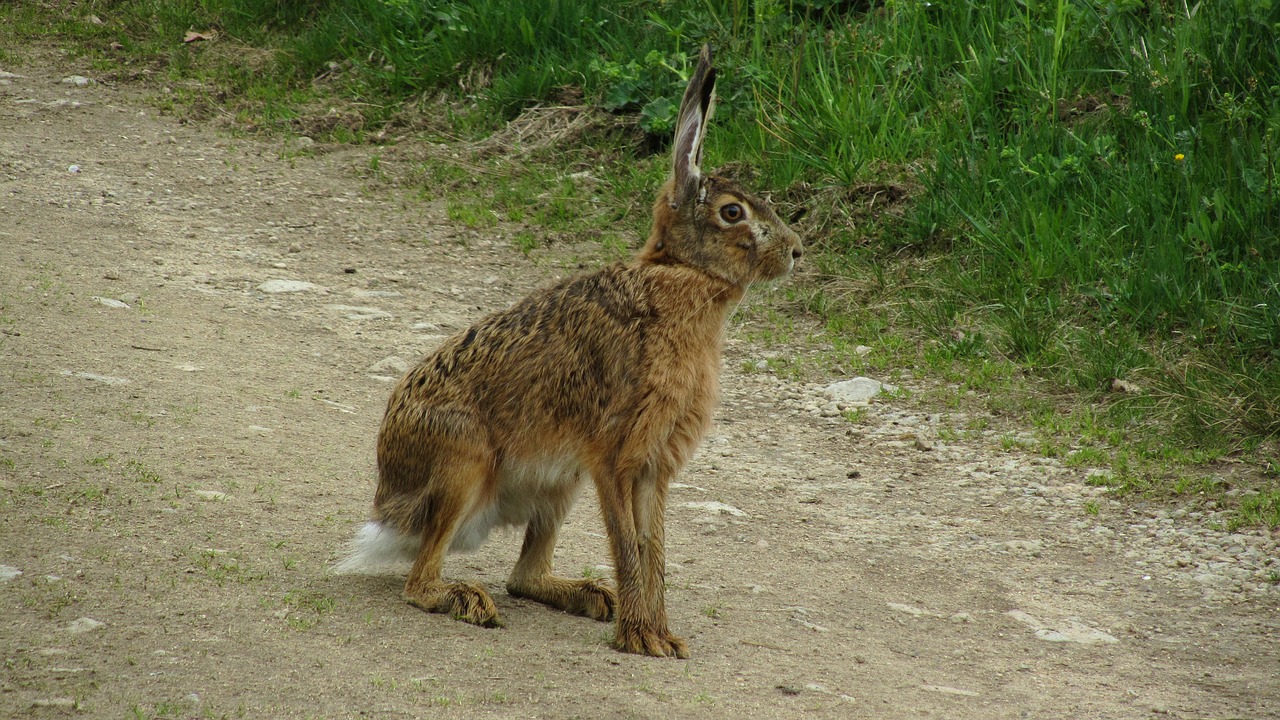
x=732, y=212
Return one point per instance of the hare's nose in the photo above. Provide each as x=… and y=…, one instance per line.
x=796, y=252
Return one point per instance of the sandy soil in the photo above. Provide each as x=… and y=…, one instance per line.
x=183, y=451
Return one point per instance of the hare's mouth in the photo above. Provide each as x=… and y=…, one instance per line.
x=778, y=272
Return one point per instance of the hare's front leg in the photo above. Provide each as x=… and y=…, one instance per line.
x=633, y=513
x=532, y=576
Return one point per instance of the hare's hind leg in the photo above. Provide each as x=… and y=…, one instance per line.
x=532, y=576
x=444, y=508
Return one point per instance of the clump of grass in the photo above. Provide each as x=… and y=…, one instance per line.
x=305, y=608
x=1262, y=508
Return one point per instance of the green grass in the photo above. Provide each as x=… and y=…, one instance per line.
x=1260, y=509
x=141, y=473
x=306, y=608
x=1024, y=201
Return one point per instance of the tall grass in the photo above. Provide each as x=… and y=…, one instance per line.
x=1093, y=182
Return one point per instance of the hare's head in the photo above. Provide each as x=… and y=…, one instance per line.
x=708, y=221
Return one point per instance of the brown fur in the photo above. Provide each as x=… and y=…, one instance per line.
x=611, y=376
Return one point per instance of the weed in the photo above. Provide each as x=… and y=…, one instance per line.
x=1262, y=508
x=525, y=241
x=856, y=415
x=470, y=212
x=93, y=494
x=220, y=567
x=185, y=414
x=375, y=167
x=308, y=606
x=1012, y=443
x=142, y=473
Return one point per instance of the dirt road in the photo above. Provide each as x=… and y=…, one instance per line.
x=199, y=334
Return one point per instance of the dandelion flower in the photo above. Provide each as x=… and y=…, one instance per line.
x=1179, y=157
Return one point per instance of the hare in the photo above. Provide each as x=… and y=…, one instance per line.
x=610, y=376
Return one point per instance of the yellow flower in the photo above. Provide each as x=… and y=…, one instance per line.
x=1179, y=157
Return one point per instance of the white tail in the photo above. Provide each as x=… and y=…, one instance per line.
x=378, y=549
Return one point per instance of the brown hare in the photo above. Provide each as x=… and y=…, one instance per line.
x=610, y=376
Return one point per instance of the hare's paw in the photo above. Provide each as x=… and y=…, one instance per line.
x=593, y=599
x=589, y=598
x=465, y=601
x=642, y=639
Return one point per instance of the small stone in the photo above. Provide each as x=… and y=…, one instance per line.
x=349, y=270
x=961, y=617
x=1098, y=476
x=1027, y=547
x=94, y=377
x=84, y=625
x=908, y=609
x=62, y=703
x=854, y=474
x=77, y=80
x=859, y=390
x=210, y=495
x=287, y=286
x=862, y=351
x=358, y=312
x=948, y=690
x=390, y=365
x=8, y=572
x=922, y=444
x=1124, y=387
x=303, y=141
x=1069, y=631
x=789, y=689
x=73, y=169
x=111, y=274
x=810, y=625
x=1211, y=579
x=715, y=508
x=295, y=248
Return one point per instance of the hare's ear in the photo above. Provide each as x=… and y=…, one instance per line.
x=691, y=130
